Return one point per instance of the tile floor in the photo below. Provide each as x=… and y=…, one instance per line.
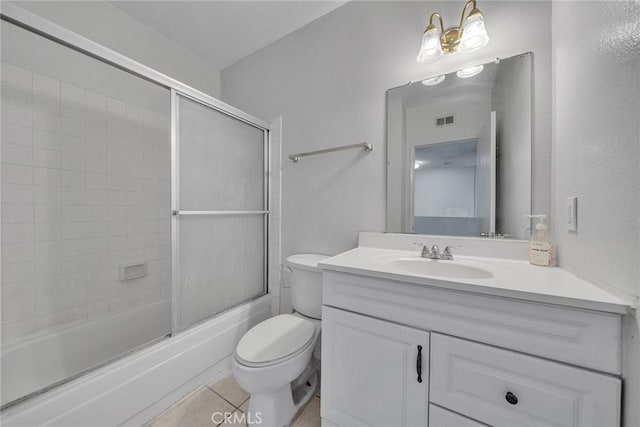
x=224, y=396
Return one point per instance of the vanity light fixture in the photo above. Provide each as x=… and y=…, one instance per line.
x=432, y=81
x=470, y=35
x=470, y=72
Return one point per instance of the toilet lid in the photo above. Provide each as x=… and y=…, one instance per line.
x=275, y=339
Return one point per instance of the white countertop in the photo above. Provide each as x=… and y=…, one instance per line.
x=511, y=279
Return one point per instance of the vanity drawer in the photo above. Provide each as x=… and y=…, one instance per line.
x=440, y=417
x=505, y=389
x=576, y=336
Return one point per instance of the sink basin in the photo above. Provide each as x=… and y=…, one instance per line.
x=439, y=268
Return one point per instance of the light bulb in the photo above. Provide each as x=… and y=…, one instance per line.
x=430, y=50
x=474, y=34
x=470, y=72
x=432, y=81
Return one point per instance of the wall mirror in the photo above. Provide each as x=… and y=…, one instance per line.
x=459, y=152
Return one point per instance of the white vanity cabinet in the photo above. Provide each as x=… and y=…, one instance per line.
x=374, y=373
x=505, y=388
x=486, y=360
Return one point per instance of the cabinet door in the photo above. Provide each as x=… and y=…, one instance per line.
x=370, y=371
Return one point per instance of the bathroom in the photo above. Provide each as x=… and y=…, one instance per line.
x=114, y=304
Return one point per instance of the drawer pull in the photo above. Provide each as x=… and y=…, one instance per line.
x=511, y=398
x=419, y=364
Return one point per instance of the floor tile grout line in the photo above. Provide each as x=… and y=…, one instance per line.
x=243, y=402
x=224, y=398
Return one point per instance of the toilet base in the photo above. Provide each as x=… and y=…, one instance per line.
x=277, y=408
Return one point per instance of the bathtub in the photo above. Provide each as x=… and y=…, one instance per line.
x=130, y=390
x=33, y=364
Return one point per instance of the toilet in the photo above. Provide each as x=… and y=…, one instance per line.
x=273, y=360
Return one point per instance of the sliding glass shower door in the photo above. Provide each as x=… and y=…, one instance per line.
x=86, y=249
x=94, y=159
x=220, y=211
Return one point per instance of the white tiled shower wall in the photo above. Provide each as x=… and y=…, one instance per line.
x=85, y=189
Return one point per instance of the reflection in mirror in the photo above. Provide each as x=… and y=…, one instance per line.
x=459, y=153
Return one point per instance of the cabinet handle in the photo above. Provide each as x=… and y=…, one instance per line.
x=419, y=364
x=511, y=398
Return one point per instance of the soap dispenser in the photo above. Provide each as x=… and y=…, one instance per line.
x=541, y=247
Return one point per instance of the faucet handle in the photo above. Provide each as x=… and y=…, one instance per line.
x=446, y=253
x=425, y=250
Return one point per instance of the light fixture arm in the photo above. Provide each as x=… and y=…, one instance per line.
x=464, y=9
x=439, y=18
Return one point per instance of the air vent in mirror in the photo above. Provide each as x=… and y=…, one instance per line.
x=445, y=120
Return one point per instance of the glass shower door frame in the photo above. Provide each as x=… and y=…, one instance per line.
x=33, y=23
x=176, y=212
x=36, y=24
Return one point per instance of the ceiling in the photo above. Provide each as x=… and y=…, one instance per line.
x=223, y=32
x=449, y=154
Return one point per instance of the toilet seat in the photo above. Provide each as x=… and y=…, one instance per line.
x=275, y=340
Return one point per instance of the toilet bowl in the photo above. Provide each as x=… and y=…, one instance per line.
x=273, y=360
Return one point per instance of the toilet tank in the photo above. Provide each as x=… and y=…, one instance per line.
x=306, y=284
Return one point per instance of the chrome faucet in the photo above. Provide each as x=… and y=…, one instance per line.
x=434, y=252
x=446, y=253
x=425, y=251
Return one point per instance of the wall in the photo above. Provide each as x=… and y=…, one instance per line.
x=471, y=113
x=596, y=132
x=458, y=199
x=512, y=93
x=485, y=176
x=107, y=25
x=328, y=81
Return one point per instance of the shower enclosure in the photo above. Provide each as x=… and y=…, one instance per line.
x=132, y=207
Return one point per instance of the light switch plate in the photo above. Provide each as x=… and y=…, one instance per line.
x=572, y=214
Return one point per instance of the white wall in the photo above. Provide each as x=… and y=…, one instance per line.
x=105, y=24
x=512, y=94
x=596, y=132
x=447, y=191
x=470, y=115
x=484, y=174
x=328, y=81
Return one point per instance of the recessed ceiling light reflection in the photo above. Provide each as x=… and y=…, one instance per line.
x=470, y=72
x=432, y=81
x=419, y=163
